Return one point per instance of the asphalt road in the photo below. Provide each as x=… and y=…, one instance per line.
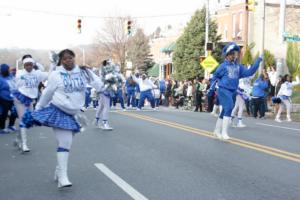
x=165, y=155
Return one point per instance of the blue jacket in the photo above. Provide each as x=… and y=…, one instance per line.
x=229, y=73
x=5, y=93
x=130, y=87
x=162, y=86
x=259, y=87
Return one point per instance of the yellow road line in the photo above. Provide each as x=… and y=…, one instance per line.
x=232, y=139
x=250, y=145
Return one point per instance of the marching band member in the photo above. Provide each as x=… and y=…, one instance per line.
x=227, y=75
x=285, y=93
x=110, y=78
x=27, y=82
x=146, y=87
x=60, y=104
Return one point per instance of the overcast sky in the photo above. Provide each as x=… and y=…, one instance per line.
x=22, y=26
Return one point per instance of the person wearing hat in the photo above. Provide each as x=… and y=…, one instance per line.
x=227, y=75
x=6, y=99
x=27, y=82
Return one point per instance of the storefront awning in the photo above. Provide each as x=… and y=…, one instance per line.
x=169, y=48
x=154, y=70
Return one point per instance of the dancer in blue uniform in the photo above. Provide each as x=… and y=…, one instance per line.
x=227, y=75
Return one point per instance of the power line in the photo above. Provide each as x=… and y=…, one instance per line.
x=46, y=12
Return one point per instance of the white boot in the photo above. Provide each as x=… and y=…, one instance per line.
x=220, y=109
x=225, y=126
x=277, y=119
x=214, y=111
x=218, y=128
x=105, y=126
x=288, y=118
x=240, y=124
x=23, y=134
x=62, y=167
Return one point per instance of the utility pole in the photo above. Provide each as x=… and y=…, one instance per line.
x=282, y=21
x=206, y=74
x=262, y=47
x=279, y=60
x=206, y=27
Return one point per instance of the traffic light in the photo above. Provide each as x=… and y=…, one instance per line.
x=250, y=5
x=209, y=46
x=79, y=25
x=129, y=24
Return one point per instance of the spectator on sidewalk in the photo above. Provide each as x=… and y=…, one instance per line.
x=285, y=94
x=6, y=99
x=258, y=95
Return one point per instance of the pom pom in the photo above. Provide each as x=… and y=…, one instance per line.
x=276, y=100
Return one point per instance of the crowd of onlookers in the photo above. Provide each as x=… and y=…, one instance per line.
x=258, y=92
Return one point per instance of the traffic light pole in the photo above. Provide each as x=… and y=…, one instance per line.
x=262, y=46
x=282, y=20
x=206, y=27
x=206, y=73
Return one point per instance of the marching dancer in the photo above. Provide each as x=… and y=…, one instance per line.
x=130, y=89
x=228, y=75
x=110, y=78
x=146, y=87
x=27, y=82
x=119, y=93
x=243, y=95
x=60, y=104
x=285, y=93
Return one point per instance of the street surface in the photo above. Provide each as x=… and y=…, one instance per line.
x=165, y=155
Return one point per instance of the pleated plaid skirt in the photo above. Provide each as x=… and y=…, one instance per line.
x=52, y=116
x=22, y=98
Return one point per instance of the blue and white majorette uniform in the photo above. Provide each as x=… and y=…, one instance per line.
x=243, y=95
x=228, y=74
x=63, y=98
x=285, y=93
x=26, y=92
x=146, y=87
x=59, y=108
x=110, y=76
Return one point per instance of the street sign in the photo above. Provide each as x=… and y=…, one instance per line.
x=209, y=63
x=289, y=37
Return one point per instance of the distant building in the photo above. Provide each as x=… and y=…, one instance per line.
x=243, y=27
x=162, y=50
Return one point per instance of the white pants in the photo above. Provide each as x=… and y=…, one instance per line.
x=239, y=105
x=103, y=108
x=64, y=138
x=288, y=105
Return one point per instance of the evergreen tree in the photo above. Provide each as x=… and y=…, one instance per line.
x=248, y=58
x=139, y=51
x=190, y=46
x=292, y=58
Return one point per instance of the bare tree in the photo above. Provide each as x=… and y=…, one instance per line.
x=113, y=40
x=139, y=51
